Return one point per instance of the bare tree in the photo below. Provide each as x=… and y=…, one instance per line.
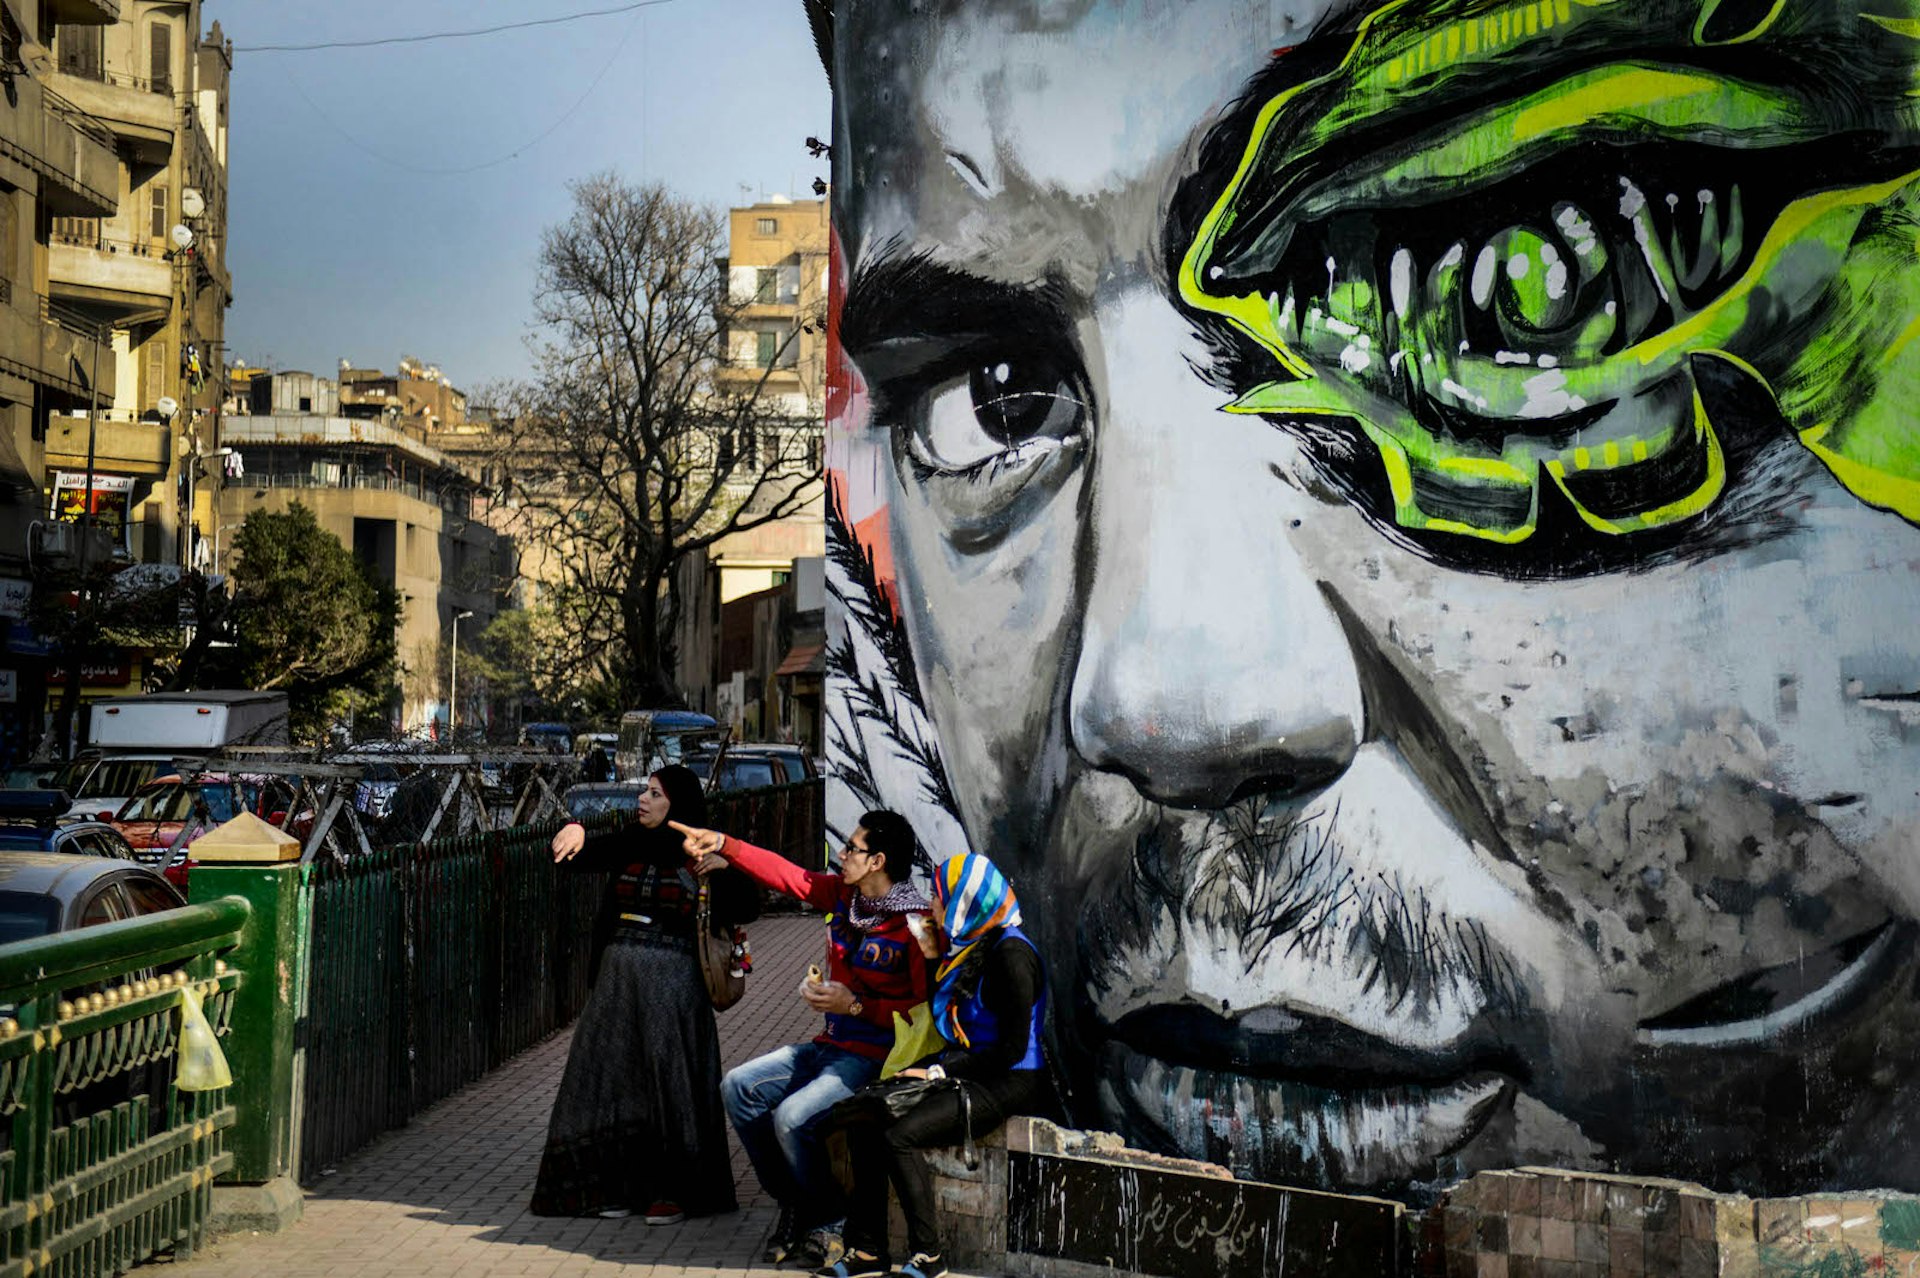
x=629, y=450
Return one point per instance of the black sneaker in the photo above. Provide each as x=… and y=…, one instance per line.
x=816, y=1249
x=780, y=1243
x=856, y=1264
x=925, y=1264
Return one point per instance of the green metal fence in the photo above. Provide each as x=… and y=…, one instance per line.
x=107, y=1162
x=430, y=965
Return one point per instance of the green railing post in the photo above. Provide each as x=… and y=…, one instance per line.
x=249, y=858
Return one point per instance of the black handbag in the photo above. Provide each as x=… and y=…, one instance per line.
x=897, y=1097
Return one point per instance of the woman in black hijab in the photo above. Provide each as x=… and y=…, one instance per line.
x=638, y=1124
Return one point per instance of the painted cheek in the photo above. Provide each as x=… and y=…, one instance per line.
x=994, y=628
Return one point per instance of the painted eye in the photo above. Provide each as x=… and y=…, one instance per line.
x=1005, y=411
x=1528, y=307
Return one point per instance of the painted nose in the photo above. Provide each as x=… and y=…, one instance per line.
x=1211, y=665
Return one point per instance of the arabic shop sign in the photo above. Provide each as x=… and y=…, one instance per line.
x=112, y=497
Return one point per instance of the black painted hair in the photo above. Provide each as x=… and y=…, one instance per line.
x=820, y=18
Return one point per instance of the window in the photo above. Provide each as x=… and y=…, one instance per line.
x=150, y=897
x=766, y=347
x=158, y=224
x=79, y=49
x=766, y=285
x=160, y=58
x=24, y=915
x=766, y=226
x=108, y=905
x=111, y=844
x=156, y=376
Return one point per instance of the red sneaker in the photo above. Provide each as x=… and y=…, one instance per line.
x=665, y=1212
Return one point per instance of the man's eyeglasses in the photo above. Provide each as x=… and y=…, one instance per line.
x=852, y=850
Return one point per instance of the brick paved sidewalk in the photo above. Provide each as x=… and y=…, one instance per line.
x=448, y=1194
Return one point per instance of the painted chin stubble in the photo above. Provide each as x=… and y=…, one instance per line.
x=1360, y=1053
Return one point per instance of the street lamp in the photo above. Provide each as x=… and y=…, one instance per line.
x=453, y=670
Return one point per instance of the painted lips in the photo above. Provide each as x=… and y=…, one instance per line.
x=1268, y=1129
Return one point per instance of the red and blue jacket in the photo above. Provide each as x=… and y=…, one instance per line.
x=883, y=965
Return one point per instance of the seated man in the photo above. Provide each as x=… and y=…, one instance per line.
x=874, y=969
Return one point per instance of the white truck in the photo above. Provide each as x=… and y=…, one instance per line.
x=132, y=740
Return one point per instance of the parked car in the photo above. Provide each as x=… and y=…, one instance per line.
x=592, y=798
x=163, y=819
x=32, y=821
x=100, y=785
x=46, y=892
x=650, y=738
x=373, y=792
x=557, y=737
x=586, y=741
x=750, y=765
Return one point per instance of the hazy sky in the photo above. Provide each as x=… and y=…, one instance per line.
x=377, y=202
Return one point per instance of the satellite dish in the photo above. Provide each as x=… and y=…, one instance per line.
x=191, y=203
x=167, y=406
x=182, y=238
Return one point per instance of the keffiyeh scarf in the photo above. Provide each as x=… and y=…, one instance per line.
x=868, y=913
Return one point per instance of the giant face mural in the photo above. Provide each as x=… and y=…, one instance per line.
x=1395, y=525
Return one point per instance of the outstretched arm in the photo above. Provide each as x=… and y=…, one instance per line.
x=712, y=851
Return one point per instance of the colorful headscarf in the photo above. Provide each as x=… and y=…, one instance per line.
x=974, y=899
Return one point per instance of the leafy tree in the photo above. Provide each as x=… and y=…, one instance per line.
x=630, y=451
x=310, y=620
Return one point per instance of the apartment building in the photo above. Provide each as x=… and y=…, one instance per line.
x=408, y=509
x=776, y=291
x=55, y=162
x=148, y=277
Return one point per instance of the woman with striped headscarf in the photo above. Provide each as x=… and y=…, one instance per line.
x=990, y=1004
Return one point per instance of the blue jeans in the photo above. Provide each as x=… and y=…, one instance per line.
x=774, y=1102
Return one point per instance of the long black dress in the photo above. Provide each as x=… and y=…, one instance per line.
x=638, y=1118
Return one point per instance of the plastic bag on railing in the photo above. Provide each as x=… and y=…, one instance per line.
x=201, y=1065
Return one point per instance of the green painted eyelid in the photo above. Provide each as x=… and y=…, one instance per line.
x=1623, y=97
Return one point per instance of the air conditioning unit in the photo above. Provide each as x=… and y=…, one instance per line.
x=54, y=540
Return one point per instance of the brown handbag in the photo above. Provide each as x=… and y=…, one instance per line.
x=723, y=954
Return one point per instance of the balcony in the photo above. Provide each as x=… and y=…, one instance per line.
x=124, y=275
x=143, y=119
x=95, y=13
x=80, y=150
x=72, y=151
x=46, y=353
x=144, y=449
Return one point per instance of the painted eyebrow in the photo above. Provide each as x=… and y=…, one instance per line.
x=904, y=312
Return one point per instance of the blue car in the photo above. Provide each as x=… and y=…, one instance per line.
x=30, y=821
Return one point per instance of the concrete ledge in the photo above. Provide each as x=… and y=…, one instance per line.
x=260, y=1209
x=1546, y=1221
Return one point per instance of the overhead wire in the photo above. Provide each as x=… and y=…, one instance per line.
x=469, y=33
x=543, y=135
